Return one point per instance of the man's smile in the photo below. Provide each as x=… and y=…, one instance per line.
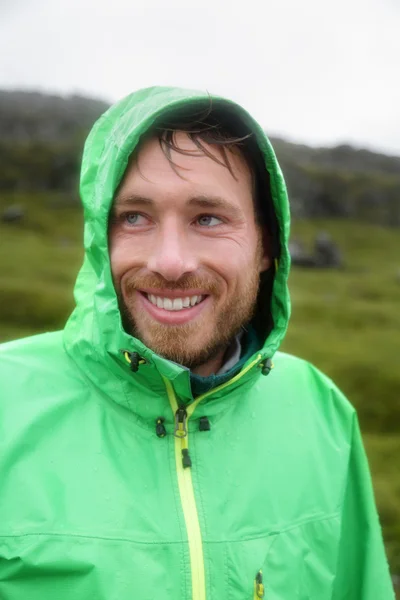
x=170, y=309
x=174, y=303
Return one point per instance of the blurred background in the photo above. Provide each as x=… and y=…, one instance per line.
x=321, y=77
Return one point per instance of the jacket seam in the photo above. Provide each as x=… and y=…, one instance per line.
x=275, y=531
x=130, y=540
x=342, y=504
x=88, y=537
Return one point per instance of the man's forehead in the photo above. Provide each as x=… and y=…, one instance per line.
x=185, y=155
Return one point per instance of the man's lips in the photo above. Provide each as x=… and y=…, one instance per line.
x=172, y=317
x=163, y=293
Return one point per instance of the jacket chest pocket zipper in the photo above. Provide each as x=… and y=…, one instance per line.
x=259, y=591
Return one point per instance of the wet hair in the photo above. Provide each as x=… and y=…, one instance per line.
x=219, y=127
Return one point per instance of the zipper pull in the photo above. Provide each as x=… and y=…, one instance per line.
x=186, y=460
x=180, y=430
x=259, y=585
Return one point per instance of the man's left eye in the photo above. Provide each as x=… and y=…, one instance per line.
x=208, y=221
x=133, y=218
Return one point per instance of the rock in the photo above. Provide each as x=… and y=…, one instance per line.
x=326, y=255
x=299, y=255
x=13, y=214
x=327, y=252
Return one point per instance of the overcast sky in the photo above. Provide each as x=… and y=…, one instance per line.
x=317, y=71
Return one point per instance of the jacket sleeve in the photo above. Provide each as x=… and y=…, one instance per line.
x=362, y=571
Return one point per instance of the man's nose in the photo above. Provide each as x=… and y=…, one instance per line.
x=172, y=257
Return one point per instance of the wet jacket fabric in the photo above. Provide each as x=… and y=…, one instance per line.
x=117, y=484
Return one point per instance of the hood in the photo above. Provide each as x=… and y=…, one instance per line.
x=94, y=335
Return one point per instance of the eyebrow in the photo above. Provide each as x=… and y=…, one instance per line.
x=121, y=201
x=202, y=201
x=216, y=203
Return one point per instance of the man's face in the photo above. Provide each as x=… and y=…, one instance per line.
x=185, y=250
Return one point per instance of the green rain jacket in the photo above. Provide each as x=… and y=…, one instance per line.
x=94, y=505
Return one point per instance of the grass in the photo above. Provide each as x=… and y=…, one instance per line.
x=39, y=267
x=347, y=322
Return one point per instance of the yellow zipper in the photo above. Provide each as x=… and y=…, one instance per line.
x=192, y=406
x=188, y=501
x=185, y=482
x=258, y=586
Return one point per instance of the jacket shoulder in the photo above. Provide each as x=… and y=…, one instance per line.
x=296, y=366
x=312, y=387
x=30, y=346
x=25, y=362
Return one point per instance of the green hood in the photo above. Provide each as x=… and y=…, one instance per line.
x=95, y=332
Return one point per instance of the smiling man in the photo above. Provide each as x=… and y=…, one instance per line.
x=186, y=251
x=151, y=449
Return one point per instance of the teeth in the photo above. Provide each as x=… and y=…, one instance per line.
x=176, y=303
x=167, y=304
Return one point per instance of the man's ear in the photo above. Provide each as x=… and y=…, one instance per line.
x=266, y=257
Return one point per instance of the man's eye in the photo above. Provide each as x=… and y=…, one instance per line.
x=208, y=221
x=134, y=219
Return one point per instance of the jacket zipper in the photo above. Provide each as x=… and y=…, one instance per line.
x=258, y=586
x=185, y=481
x=185, y=484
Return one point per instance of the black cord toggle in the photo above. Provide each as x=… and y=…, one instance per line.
x=160, y=427
x=134, y=356
x=267, y=366
x=134, y=359
x=204, y=424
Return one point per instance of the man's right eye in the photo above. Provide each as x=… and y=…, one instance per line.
x=133, y=218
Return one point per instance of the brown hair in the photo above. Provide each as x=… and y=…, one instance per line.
x=214, y=126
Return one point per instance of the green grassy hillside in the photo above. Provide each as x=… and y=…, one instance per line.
x=347, y=322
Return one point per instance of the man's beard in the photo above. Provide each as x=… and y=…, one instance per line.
x=196, y=342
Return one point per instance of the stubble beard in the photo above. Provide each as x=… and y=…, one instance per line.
x=186, y=344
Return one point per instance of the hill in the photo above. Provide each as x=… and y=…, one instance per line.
x=32, y=117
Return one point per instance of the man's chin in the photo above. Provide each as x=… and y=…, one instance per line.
x=193, y=343
x=175, y=346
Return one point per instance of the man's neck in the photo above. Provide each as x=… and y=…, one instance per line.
x=210, y=367
x=223, y=361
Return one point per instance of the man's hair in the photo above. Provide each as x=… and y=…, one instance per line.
x=219, y=127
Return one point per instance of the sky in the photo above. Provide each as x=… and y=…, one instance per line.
x=321, y=72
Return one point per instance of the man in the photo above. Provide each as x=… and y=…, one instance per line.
x=161, y=446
